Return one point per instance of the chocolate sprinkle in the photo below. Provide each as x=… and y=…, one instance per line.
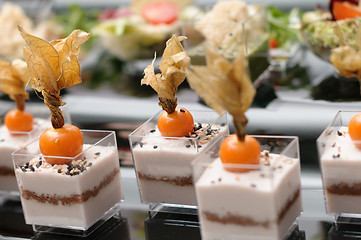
x=182, y=110
x=97, y=153
x=39, y=164
x=155, y=146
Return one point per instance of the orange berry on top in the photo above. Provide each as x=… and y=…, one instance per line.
x=19, y=121
x=66, y=141
x=233, y=151
x=354, y=129
x=176, y=124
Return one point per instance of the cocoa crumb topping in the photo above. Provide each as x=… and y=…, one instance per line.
x=72, y=168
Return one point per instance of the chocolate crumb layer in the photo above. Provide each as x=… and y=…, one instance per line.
x=234, y=219
x=179, y=181
x=345, y=189
x=247, y=221
x=73, y=199
x=6, y=171
x=289, y=204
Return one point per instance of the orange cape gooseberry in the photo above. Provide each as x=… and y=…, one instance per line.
x=354, y=129
x=66, y=141
x=176, y=124
x=19, y=121
x=233, y=151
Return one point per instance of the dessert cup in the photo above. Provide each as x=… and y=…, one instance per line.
x=228, y=38
x=73, y=198
x=163, y=164
x=262, y=202
x=10, y=141
x=340, y=161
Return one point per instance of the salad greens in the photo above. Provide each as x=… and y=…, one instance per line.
x=77, y=18
x=284, y=26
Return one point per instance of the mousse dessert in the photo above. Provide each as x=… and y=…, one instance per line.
x=248, y=187
x=339, y=145
x=165, y=145
x=340, y=155
x=272, y=189
x=20, y=126
x=9, y=143
x=73, y=179
x=75, y=194
x=163, y=164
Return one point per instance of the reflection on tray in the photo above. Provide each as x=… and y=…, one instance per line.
x=12, y=221
x=12, y=224
x=345, y=228
x=115, y=228
x=166, y=226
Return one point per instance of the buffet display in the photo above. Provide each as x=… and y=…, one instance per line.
x=198, y=169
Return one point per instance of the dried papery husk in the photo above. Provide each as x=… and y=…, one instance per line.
x=13, y=80
x=347, y=59
x=173, y=66
x=224, y=86
x=53, y=66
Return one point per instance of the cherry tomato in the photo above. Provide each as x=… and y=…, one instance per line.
x=160, y=12
x=19, y=121
x=233, y=151
x=343, y=10
x=177, y=124
x=354, y=129
x=273, y=43
x=66, y=141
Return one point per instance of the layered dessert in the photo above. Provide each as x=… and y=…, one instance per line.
x=251, y=202
x=163, y=164
x=164, y=146
x=72, y=182
x=75, y=194
x=340, y=161
x=9, y=143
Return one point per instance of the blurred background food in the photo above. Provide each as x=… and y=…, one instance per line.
x=287, y=43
